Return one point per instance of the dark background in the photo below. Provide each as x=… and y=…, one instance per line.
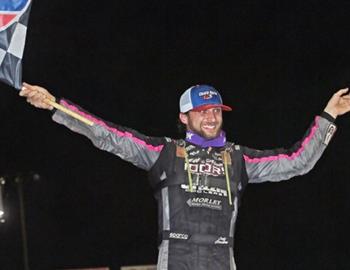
x=276, y=62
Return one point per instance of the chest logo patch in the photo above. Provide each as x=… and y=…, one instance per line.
x=205, y=202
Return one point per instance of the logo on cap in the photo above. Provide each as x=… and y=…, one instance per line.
x=207, y=94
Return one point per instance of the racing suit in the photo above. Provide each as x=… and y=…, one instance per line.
x=198, y=190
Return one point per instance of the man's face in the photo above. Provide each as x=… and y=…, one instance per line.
x=206, y=123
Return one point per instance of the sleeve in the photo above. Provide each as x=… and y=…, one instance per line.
x=282, y=164
x=128, y=144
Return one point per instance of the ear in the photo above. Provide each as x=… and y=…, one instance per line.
x=183, y=118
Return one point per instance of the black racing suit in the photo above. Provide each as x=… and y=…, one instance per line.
x=193, y=184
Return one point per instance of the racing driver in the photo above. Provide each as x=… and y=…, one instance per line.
x=199, y=180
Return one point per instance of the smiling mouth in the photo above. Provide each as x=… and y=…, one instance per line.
x=209, y=127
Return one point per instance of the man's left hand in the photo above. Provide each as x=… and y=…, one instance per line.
x=339, y=103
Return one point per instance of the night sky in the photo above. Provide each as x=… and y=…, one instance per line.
x=276, y=62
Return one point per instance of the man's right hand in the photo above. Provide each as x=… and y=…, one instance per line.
x=37, y=96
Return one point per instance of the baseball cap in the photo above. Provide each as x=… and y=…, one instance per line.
x=201, y=97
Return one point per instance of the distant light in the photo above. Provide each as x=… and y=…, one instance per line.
x=2, y=211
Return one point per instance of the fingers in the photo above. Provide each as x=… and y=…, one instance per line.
x=341, y=92
x=346, y=97
x=37, y=96
x=27, y=85
x=27, y=88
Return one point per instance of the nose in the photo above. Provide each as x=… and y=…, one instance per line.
x=210, y=116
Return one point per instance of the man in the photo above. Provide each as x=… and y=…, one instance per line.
x=199, y=181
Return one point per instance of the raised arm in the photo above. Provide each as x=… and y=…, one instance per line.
x=128, y=144
x=281, y=164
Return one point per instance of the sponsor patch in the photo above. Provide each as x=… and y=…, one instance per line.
x=330, y=132
x=205, y=203
x=206, y=168
x=206, y=190
x=221, y=241
x=181, y=236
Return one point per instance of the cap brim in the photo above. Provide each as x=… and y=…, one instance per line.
x=209, y=106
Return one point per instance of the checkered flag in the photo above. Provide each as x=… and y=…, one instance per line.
x=14, y=16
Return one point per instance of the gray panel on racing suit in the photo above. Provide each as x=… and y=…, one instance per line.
x=129, y=145
x=281, y=164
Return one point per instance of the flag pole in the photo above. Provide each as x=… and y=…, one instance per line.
x=69, y=112
x=19, y=181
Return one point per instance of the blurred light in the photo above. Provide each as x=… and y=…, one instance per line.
x=2, y=211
